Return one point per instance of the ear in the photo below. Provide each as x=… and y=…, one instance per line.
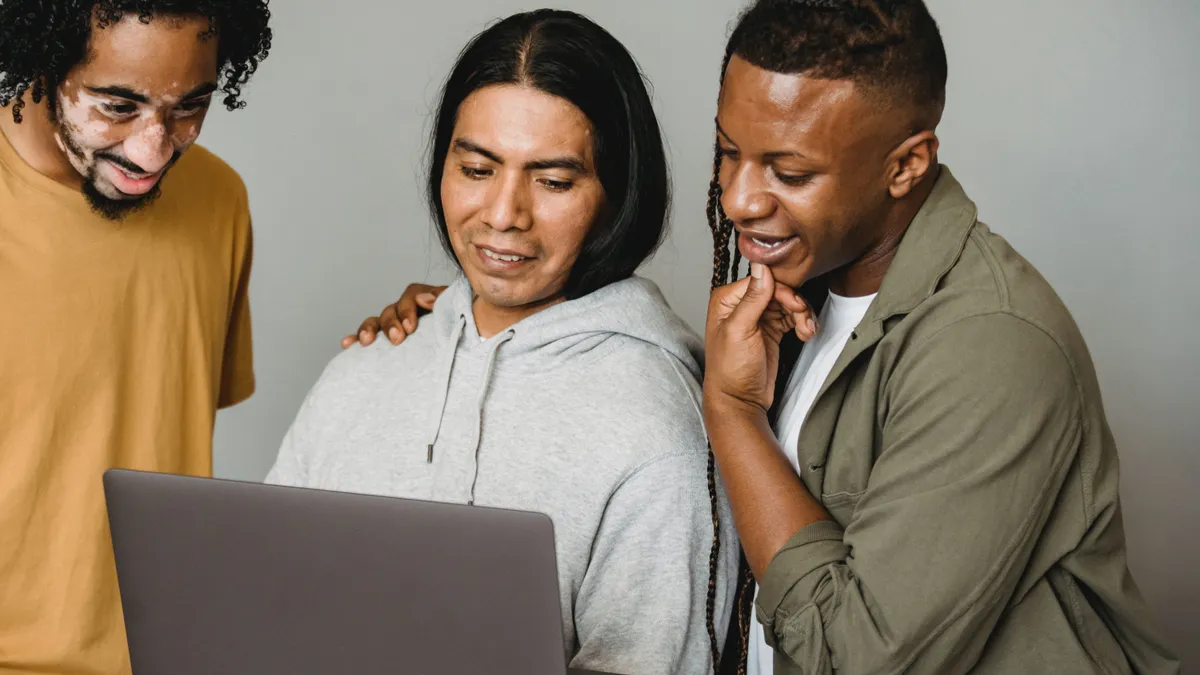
x=911, y=162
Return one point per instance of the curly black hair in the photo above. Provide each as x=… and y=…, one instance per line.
x=42, y=40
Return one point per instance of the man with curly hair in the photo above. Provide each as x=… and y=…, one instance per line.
x=124, y=262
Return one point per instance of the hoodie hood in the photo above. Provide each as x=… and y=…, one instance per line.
x=553, y=337
x=632, y=307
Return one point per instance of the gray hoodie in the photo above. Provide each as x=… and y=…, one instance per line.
x=589, y=412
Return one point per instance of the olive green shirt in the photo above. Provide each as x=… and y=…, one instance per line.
x=960, y=445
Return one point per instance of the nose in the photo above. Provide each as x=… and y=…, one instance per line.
x=744, y=197
x=508, y=204
x=150, y=147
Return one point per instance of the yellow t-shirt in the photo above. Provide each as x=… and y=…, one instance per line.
x=118, y=342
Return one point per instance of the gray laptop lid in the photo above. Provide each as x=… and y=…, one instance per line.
x=229, y=577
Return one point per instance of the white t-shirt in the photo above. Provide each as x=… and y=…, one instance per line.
x=839, y=317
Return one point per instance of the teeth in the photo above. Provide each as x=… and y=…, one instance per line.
x=505, y=258
x=765, y=244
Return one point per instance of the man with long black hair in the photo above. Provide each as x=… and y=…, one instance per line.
x=550, y=378
x=124, y=264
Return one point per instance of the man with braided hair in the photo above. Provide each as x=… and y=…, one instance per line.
x=928, y=484
x=124, y=261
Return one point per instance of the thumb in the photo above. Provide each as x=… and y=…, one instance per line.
x=756, y=300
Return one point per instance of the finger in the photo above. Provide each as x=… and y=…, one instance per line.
x=790, y=300
x=406, y=313
x=777, y=314
x=349, y=340
x=776, y=324
x=786, y=319
x=721, y=304
x=758, y=296
x=389, y=322
x=801, y=311
x=426, y=300
x=367, y=331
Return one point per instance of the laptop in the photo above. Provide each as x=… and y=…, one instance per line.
x=222, y=577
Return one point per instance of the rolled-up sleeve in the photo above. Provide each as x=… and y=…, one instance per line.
x=982, y=423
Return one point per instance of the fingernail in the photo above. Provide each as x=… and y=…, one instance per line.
x=362, y=336
x=811, y=326
x=756, y=270
x=394, y=333
x=426, y=297
x=408, y=325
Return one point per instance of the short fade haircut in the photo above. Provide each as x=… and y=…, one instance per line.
x=569, y=56
x=891, y=49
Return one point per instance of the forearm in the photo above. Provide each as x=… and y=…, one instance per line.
x=769, y=501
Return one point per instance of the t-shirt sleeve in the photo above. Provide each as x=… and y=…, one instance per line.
x=237, y=370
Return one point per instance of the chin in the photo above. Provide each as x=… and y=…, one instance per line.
x=496, y=292
x=792, y=274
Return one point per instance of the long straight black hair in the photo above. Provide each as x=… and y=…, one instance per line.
x=567, y=55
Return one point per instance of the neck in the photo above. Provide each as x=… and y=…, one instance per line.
x=35, y=142
x=491, y=319
x=865, y=275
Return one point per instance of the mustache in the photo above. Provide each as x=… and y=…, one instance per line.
x=130, y=166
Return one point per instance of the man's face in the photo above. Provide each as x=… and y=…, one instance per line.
x=520, y=193
x=137, y=101
x=804, y=173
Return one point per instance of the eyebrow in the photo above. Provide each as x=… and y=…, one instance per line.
x=569, y=163
x=774, y=154
x=137, y=97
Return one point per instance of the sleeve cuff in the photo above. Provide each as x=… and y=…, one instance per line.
x=237, y=391
x=793, y=574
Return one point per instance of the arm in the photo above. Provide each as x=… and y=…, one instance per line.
x=770, y=503
x=641, y=606
x=982, y=424
x=746, y=321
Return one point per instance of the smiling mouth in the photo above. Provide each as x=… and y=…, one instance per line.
x=768, y=243
x=503, y=257
x=765, y=249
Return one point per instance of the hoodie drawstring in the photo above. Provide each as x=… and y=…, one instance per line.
x=484, y=383
x=447, y=370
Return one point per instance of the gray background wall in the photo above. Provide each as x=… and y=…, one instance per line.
x=1073, y=124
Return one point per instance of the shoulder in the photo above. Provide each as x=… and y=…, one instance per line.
x=206, y=180
x=656, y=399
x=200, y=163
x=646, y=371
x=990, y=364
x=372, y=366
x=995, y=305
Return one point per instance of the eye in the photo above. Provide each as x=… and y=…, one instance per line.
x=557, y=185
x=794, y=180
x=726, y=152
x=189, y=108
x=118, y=110
x=474, y=173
